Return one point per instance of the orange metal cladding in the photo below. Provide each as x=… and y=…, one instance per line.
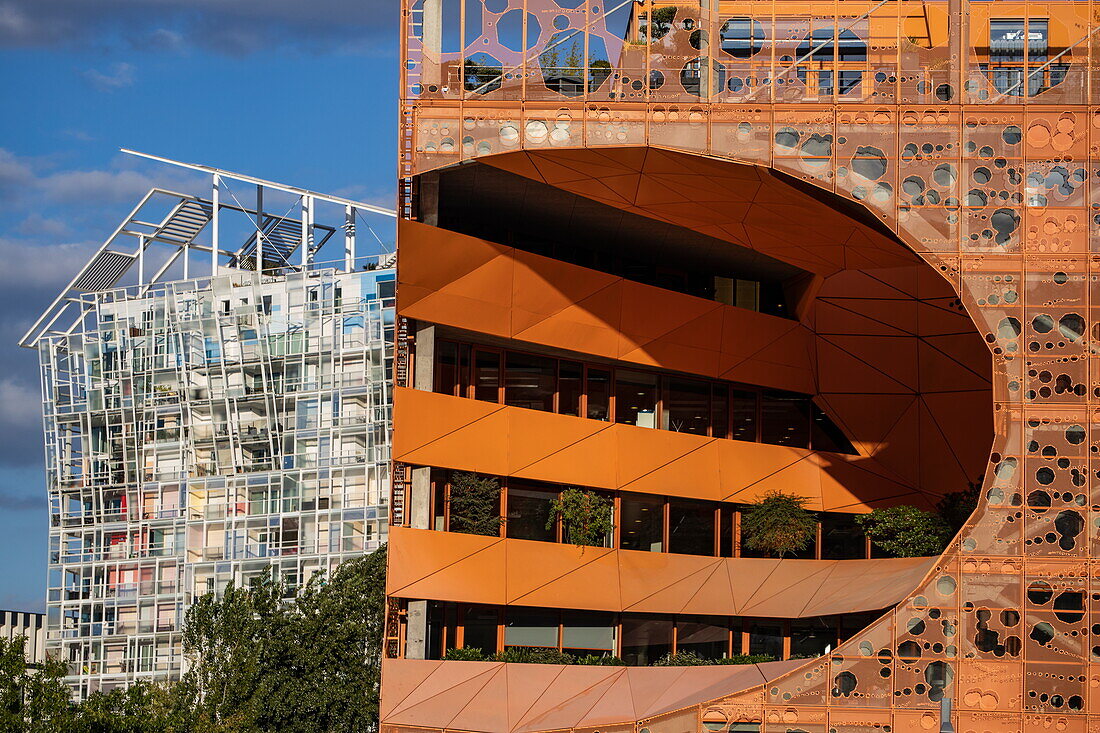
x=527, y=573
x=988, y=177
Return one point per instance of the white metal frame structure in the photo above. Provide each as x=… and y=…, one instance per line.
x=216, y=403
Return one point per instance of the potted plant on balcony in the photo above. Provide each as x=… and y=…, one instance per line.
x=586, y=517
x=475, y=504
x=778, y=524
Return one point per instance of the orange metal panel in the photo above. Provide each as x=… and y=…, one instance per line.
x=652, y=580
x=989, y=181
x=510, y=441
x=592, y=579
x=531, y=569
x=448, y=566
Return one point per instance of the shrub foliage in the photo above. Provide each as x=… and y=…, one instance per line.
x=586, y=516
x=779, y=524
x=475, y=504
x=263, y=658
x=906, y=531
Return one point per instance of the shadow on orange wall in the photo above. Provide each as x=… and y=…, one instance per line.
x=880, y=339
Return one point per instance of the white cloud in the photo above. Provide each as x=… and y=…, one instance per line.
x=79, y=135
x=22, y=406
x=30, y=178
x=234, y=27
x=95, y=185
x=45, y=267
x=120, y=76
x=13, y=21
x=37, y=225
x=13, y=171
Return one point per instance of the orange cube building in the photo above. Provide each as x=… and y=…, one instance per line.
x=660, y=260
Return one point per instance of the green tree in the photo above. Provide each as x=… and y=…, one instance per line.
x=956, y=507
x=660, y=21
x=587, y=517
x=266, y=659
x=559, y=59
x=226, y=640
x=143, y=707
x=33, y=698
x=482, y=73
x=779, y=524
x=906, y=531
x=475, y=504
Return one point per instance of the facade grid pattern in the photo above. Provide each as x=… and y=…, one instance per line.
x=198, y=434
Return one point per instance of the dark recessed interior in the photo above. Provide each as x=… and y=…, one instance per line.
x=489, y=203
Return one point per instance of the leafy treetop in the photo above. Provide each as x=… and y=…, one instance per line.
x=906, y=531
x=779, y=524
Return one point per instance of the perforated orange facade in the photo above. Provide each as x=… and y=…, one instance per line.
x=922, y=176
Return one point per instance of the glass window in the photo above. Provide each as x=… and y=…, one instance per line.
x=641, y=523
x=570, y=377
x=599, y=394
x=853, y=623
x=841, y=538
x=725, y=290
x=480, y=629
x=636, y=398
x=766, y=637
x=446, y=368
x=704, y=637
x=439, y=500
x=528, y=510
x=529, y=381
x=747, y=294
x=585, y=632
x=645, y=638
x=827, y=436
x=725, y=532
x=744, y=415
x=690, y=527
x=688, y=407
x=487, y=375
x=785, y=419
x=1007, y=40
x=1037, y=39
x=435, y=631
x=536, y=627
x=463, y=370
x=812, y=637
x=719, y=411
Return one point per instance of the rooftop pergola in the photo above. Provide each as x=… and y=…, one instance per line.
x=246, y=223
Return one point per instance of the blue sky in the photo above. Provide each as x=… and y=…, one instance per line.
x=298, y=92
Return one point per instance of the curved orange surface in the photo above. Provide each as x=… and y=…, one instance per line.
x=440, y=566
x=891, y=354
x=521, y=698
x=1003, y=626
x=463, y=434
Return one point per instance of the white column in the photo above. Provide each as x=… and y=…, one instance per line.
x=307, y=230
x=216, y=204
x=349, y=238
x=259, y=229
x=141, y=259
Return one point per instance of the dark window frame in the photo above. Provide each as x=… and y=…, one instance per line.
x=466, y=373
x=447, y=626
x=726, y=533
